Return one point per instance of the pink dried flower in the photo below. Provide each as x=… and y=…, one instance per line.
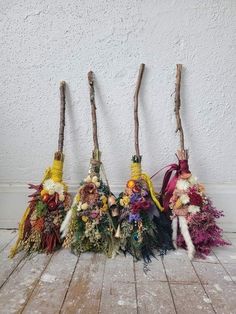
x=204, y=231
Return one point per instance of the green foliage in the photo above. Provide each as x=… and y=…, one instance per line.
x=41, y=209
x=104, y=188
x=94, y=237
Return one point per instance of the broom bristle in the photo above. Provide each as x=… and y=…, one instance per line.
x=65, y=224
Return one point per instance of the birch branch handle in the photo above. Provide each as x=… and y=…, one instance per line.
x=136, y=121
x=93, y=109
x=62, y=116
x=179, y=127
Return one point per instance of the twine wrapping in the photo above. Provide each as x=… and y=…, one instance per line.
x=56, y=170
x=136, y=170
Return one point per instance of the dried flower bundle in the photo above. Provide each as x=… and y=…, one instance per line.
x=192, y=213
x=89, y=225
x=143, y=226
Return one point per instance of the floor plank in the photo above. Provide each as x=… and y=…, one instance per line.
x=211, y=258
x=155, y=271
x=49, y=294
x=17, y=290
x=211, y=273
x=119, y=289
x=179, y=268
x=7, y=265
x=231, y=270
x=222, y=297
x=191, y=299
x=95, y=284
x=226, y=255
x=153, y=293
x=154, y=297
x=6, y=236
x=85, y=289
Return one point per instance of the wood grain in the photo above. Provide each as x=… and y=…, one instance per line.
x=53, y=284
x=85, y=289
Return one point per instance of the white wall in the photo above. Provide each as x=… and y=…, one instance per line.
x=43, y=42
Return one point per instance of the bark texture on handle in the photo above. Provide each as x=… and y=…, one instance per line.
x=93, y=109
x=62, y=116
x=179, y=127
x=136, y=121
x=182, y=154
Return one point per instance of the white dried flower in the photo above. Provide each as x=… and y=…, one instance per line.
x=79, y=207
x=59, y=188
x=193, y=209
x=192, y=180
x=61, y=197
x=184, y=198
x=95, y=179
x=49, y=185
x=88, y=179
x=51, y=191
x=182, y=184
x=84, y=206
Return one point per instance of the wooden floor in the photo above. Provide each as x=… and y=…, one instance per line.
x=63, y=283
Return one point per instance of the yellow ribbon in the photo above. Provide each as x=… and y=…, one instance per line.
x=13, y=250
x=147, y=179
x=47, y=174
x=136, y=173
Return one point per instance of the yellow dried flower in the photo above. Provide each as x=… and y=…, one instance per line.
x=43, y=192
x=85, y=218
x=124, y=201
x=104, y=207
x=104, y=199
x=178, y=204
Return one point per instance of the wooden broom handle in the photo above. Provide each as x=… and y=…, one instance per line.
x=62, y=116
x=179, y=127
x=93, y=109
x=136, y=121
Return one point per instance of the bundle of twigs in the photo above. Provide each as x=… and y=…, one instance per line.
x=192, y=213
x=143, y=227
x=39, y=228
x=89, y=225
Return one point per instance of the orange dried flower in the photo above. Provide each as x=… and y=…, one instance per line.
x=130, y=184
x=38, y=224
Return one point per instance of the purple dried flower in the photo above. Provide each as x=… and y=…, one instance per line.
x=135, y=197
x=134, y=217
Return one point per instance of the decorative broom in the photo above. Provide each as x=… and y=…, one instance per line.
x=39, y=228
x=88, y=225
x=143, y=227
x=192, y=211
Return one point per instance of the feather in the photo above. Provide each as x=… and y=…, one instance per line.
x=174, y=233
x=65, y=224
x=186, y=235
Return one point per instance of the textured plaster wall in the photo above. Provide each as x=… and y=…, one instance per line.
x=43, y=42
